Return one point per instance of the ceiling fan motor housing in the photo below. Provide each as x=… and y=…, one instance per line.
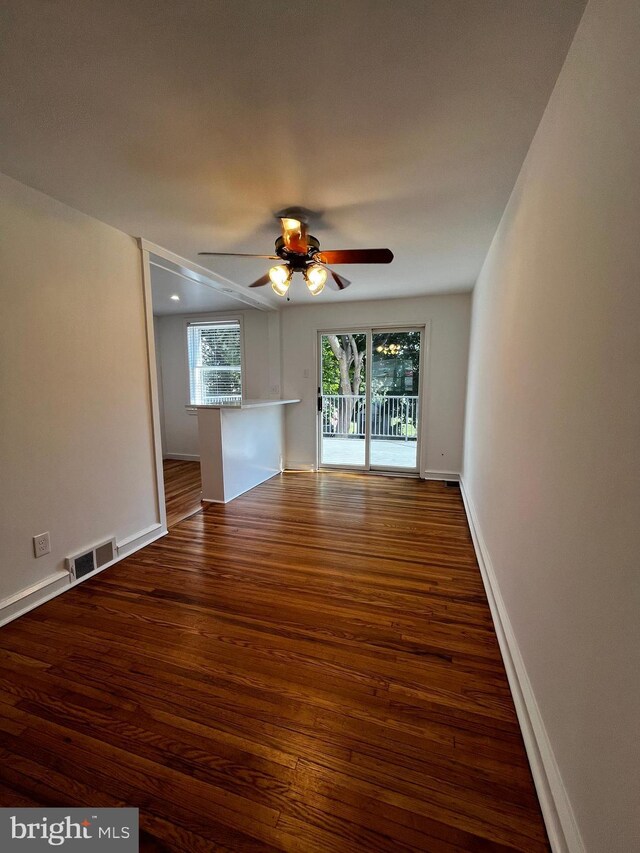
x=297, y=261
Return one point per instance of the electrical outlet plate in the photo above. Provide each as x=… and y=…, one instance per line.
x=41, y=545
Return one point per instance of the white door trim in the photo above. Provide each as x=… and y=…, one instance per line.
x=161, y=509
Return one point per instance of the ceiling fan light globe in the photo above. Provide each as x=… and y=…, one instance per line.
x=280, y=289
x=316, y=277
x=290, y=224
x=280, y=276
x=315, y=289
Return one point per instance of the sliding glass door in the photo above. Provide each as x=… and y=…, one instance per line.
x=369, y=399
x=343, y=399
x=395, y=385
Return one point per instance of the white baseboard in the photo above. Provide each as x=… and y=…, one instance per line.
x=33, y=596
x=183, y=457
x=139, y=540
x=441, y=475
x=428, y=475
x=299, y=466
x=559, y=818
x=29, y=597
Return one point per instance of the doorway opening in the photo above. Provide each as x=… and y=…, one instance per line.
x=194, y=324
x=369, y=399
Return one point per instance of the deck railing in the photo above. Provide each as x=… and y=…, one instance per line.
x=391, y=416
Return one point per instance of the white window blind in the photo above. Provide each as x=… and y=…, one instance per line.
x=215, y=374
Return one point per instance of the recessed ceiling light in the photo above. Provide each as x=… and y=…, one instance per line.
x=175, y=297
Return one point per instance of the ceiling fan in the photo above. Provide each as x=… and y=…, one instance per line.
x=299, y=251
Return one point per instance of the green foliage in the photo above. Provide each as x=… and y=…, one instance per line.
x=400, y=349
x=330, y=369
x=330, y=364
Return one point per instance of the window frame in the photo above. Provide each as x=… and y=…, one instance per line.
x=192, y=408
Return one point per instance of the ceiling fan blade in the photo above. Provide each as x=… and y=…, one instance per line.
x=340, y=281
x=294, y=234
x=239, y=255
x=264, y=279
x=356, y=256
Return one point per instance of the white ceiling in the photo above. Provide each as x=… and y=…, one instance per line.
x=194, y=296
x=191, y=122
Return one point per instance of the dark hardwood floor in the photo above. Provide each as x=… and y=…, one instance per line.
x=311, y=667
x=182, y=489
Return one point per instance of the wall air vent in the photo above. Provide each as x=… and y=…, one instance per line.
x=82, y=564
x=88, y=561
x=105, y=553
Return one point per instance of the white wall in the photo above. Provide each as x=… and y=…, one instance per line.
x=158, y=362
x=261, y=371
x=553, y=422
x=448, y=318
x=76, y=450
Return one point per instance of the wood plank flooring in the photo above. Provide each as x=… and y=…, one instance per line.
x=182, y=489
x=311, y=667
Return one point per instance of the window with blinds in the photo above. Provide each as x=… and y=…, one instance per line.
x=215, y=374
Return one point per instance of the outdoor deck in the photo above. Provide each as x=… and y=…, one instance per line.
x=385, y=452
